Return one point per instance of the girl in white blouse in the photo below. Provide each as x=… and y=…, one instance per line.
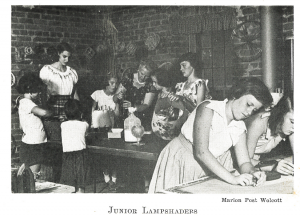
x=60, y=80
x=203, y=146
x=267, y=129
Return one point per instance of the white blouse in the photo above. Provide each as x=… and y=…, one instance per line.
x=266, y=141
x=58, y=83
x=221, y=135
x=103, y=99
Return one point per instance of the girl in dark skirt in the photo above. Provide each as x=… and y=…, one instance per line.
x=34, y=136
x=73, y=134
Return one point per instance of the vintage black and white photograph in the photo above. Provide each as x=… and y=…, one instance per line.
x=153, y=100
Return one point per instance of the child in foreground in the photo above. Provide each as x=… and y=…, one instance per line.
x=202, y=148
x=73, y=134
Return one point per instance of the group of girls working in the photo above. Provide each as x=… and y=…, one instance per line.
x=200, y=130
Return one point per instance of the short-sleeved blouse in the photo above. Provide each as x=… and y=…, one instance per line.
x=58, y=83
x=136, y=94
x=221, y=135
x=103, y=99
x=266, y=141
x=191, y=92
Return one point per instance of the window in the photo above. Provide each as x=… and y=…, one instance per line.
x=216, y=51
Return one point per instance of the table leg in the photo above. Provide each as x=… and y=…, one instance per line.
x=94, y=172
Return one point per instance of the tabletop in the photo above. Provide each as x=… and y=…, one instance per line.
x=211, y=185
x=51, y=187
x=149, y=151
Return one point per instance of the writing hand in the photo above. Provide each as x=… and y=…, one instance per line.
x=120, y=95
x=243, y=179
x=260, y=176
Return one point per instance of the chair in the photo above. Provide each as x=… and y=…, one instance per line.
x=24, y=183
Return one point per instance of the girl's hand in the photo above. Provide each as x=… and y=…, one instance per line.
x=120, y=95
x=284, y=167
x=260, y=176
x=21, y=170
x=173, y=97
x=243, y=179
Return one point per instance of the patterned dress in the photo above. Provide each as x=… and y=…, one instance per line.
x=135, y=93
x=165, y=119
x=191, y=92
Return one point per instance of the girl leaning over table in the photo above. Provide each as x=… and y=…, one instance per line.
x=267, y=129
x=166, y=121
x=202, y=148
x=104, y=99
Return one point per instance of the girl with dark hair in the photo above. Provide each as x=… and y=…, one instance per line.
x=202, y=148
x=194, y=90
x=73, y=134
x=166, y=122
x=60, y=80
x=267, y=129
x=34, y=137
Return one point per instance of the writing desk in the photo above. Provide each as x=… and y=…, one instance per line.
x=213, y=185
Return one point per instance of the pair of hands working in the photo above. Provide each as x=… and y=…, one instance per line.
x=257, y=178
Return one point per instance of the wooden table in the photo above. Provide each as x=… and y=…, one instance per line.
x=96, y=145
x=118, y=147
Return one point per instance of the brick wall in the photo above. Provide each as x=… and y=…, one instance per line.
x=50, y=25
x=47, y=26
x=288, y=22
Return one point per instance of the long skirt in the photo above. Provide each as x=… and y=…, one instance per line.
x=176, y=165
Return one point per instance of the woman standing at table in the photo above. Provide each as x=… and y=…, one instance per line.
x=203, y=146
x=60, y=80
x=267, y=129
x=139, y=91
x=166, y=122
x=194, y=90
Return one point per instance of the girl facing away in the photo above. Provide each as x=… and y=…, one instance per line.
x=73, y=132
x=202, y=148
x=267, y=129
x=34, y=137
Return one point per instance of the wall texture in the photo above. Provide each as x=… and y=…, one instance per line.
x=43, y=27
x=46, y=26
